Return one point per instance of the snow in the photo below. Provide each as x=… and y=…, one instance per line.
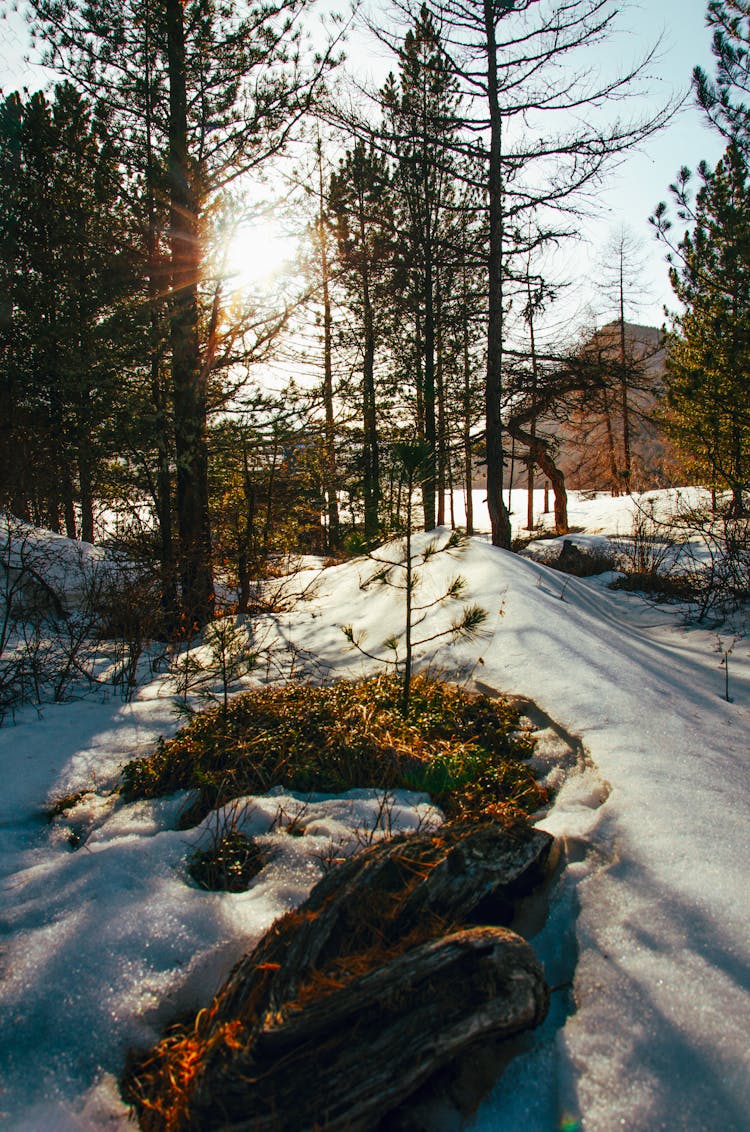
x=71, y=568
x=648, y=921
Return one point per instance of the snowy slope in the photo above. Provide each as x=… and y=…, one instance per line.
x=104, y=943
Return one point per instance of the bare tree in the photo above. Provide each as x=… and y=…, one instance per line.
x=537, y=129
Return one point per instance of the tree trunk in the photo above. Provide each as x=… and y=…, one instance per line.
x=611, y=452
x=419, y=370
x=430, y=427
x=189, y=383
x=383, y=1035
x=69, y=505
x=539, y=453
x=270, y=498
x=626, y=470
x=738, y=486
x=246, y=536
x=442, y=445
x=87, y=496
x=532, y=429
x=499, y=518
x=409, y=595
x=330, y=484
x=155, y=271
x=467, y=445
x=371, y=453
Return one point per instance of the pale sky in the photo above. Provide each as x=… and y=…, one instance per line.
x=643, y=178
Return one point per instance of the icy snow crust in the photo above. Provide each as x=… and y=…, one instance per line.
x=105, y=944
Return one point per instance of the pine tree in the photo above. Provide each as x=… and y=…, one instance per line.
x=202, y=93
x=532, y=139
x=723, y=98
x=359, y=207
x=708, y=366
x=66, y=275
x=419, y=128
x=402, y=571
x=322, y=240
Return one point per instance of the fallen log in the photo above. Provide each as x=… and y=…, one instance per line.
x=384, y=894
x=361, y=993
x=345, y=1061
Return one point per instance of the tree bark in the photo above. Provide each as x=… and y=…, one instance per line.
x=371, y=448
x=344, y=1062
x=155, y=275
x=611, y=452
x=467, y=399
x=539, y=453
x=430, y=426
x=329, y=454
x=441, y=422
x=534, y=386
x=626, y=469
x=85, y=483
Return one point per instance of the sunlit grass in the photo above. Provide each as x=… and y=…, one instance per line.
x=467, y=751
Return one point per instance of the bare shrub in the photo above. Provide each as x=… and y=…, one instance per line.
x=59, y=602
x=29, y=610
x=696, y=554
x=130, y=615
x=651, y=549
x=581, y=561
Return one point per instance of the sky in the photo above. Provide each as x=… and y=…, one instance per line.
x=644, y=178
x=634, y=189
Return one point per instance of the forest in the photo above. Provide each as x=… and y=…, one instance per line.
x=152, y=398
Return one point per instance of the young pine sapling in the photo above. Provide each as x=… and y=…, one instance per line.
x=404, y=573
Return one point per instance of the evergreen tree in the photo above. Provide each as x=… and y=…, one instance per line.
x=203, y=93
x=65, y=279
x=530, y=147
x=419, y=129
x=708, y=366
x=359, y=206
x=723, y=98
x=322, y=240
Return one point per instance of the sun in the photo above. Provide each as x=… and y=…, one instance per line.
x=259, y=254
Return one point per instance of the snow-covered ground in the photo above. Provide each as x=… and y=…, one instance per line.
x=103, y=944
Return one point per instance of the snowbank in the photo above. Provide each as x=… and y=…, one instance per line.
x=649, y=919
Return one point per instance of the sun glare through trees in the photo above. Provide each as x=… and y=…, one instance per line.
x=260, y=255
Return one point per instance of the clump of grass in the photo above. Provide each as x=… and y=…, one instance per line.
x=65, y=802
x=228, y=865
x=661, y=587
x=465, y=750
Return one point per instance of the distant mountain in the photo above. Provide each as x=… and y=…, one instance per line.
x=592, y=443
x=587, y=428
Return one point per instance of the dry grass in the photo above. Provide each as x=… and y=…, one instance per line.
x=465, y=750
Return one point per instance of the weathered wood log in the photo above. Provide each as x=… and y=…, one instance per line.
x=383, y=894
x=368, y=967
x=345, y=1061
